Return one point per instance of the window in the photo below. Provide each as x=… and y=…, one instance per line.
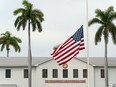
x=25, y=73
x=65, y=73
x=55, y=73
x=75, y=73
x=84, y=73
x=44, y=73
x=8, y=73
x=102, y=73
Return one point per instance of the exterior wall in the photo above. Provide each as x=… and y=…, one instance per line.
x=95, y=80
x=17, y=77
x=73, y=64
x=112, y=76
x=100, y=82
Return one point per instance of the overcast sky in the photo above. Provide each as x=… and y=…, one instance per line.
x=62, y=19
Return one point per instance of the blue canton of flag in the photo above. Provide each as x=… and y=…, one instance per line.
x=70, y=48
x=78, y=35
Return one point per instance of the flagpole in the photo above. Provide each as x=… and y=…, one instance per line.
x=88, y=85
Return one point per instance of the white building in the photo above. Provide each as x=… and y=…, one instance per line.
x=47, y=73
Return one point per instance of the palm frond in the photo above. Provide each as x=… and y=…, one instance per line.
x=38, y=14
x=24, y=22
x=7, y=39
x=2, y=47
x=112, y=16
x=16, y=39
x=35, y=16
x=27, y=4
x=99, y=13
x=110, y=9
x=108, y=13
x=19, y=49
x=7, y=44
x=33, y=26
x=39, y=26
x=15, y=45
x=19, y=10
x=105, y=18
x=17, y=20
x=37, y=11
x=33, y=22
x=94, y=20
x=112, y=31
x=98, y=34
x=19, y=25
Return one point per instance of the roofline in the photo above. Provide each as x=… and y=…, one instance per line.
x=103, y=66
x=16, y=66
x=45, y=62
x=84, y=61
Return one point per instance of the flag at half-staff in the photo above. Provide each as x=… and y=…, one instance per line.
x=70, y=48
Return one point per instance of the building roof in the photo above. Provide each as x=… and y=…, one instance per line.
x=23, y=61
x=99, y=61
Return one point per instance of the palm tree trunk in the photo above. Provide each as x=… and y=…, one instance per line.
x=106, y=65
x=8, y=53
x=29, y=57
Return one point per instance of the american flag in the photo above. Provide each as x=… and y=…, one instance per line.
x=70, y=48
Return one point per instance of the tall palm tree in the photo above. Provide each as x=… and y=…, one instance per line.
x=7, y=40
x=107, y=26
x=32, y=17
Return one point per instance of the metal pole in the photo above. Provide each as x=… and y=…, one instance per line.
x=88, y=85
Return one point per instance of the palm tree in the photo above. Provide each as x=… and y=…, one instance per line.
x=105, y=19
x=7, y=40
x=32, y=17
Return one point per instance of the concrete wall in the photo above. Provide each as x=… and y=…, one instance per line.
x=100, y=82
x=73, y=64
x=17, y=77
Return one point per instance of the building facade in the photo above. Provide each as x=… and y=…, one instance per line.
x=47, y=73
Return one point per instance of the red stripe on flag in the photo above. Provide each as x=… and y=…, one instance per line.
x=68, y=56
x=68, y=60
x=67, y=51
x=62, y=52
